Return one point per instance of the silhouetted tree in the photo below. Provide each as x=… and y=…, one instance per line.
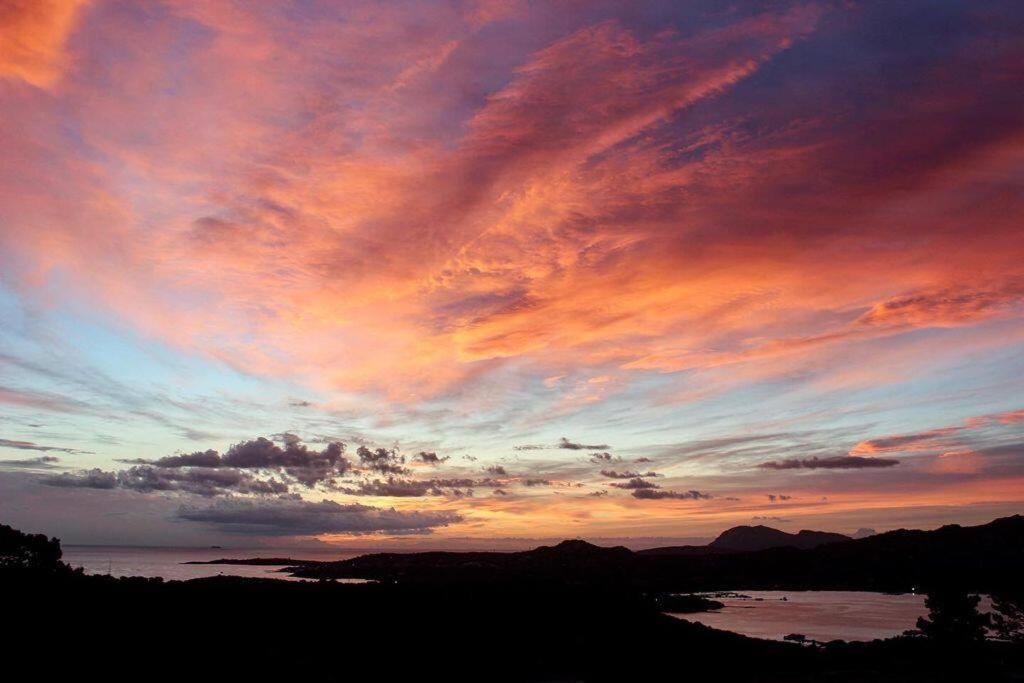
x=1008, y=618
x=19, y=550
x=953, y=618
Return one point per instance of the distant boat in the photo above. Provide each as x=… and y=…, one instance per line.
x=216, y=547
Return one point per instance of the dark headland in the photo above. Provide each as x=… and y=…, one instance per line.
x=569, y=612
x=985, y=557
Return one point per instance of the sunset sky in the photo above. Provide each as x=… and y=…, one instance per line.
x=630, y=271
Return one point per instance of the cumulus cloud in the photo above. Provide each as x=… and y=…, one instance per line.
x=602, y=458
x=659, y=494
x=838, y=462
x=209, y=458
x=200, y=481
x=772, y=497
x=430, y=458
x=263, y=453
x=296, y=517
x=91, y=479
x=306, y=465
x=244, y=467
x=383, y=460
x=286, y=437
x=497, y=470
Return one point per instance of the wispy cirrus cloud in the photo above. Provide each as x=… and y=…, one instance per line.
x=33, y=36
x=44, y=462
x=30, y=446
x=669, y=229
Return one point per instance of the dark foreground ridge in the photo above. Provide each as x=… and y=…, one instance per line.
x=578, y=617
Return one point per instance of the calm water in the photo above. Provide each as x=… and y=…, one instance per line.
x=167, y=562
x=820, y=615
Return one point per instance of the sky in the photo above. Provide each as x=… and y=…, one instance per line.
x=477, y=273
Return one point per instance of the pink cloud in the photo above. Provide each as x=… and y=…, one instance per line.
x=321, y=200
x=33, y=36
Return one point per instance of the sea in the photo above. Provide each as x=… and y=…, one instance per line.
x=818, y=615
x=170, y=563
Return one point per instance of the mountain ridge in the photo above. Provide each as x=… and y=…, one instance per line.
x=753, y=538
x=981, y=557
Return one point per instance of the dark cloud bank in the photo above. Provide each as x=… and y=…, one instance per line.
x=566, y=444
x=257, y=484
x=296, y=518
x=838, y=462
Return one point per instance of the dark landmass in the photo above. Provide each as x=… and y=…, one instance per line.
x=749, y=539
x=752, y=538
x=983, y=558
x=736, y=539
x=684, y=550
x=578, y=616
x=686, y=603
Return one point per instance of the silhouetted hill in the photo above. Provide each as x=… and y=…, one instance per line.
x=978, y=557
x=574, y=561
x=749, y=539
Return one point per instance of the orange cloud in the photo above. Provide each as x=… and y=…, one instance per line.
x=335, y=237
x=33, y=34
x=387, y=206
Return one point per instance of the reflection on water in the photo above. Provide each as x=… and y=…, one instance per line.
x=819, y=615
x=167, y=562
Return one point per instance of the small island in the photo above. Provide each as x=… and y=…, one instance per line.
x=686, y=603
